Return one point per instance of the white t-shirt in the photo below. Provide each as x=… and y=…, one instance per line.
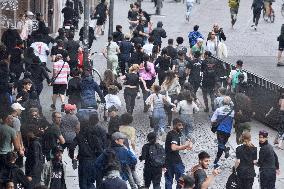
x=211, y=46
x=233, y=72
x=148, y=48
x=112, y=100
x=40, y=49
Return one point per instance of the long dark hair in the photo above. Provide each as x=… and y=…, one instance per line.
x=146, y=58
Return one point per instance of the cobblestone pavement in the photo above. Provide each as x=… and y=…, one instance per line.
x=240, y=43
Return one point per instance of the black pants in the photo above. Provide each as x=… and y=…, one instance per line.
x=129, y=98
x=154, y=175
x=246, y=183
x=161, y=77
x=2, y=161
x=205, y=92
x=222, y=138
x=256, y=16
x=267, y=178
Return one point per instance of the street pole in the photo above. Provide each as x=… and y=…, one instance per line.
x=110, y=26
x=86, y=34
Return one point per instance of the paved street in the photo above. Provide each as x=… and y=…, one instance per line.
x=241, y=41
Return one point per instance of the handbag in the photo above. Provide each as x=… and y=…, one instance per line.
x=215, y=125
x=54, y=78
x=233, y=180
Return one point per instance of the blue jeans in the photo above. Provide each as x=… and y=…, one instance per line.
x=187, y=120
x=174, y=170
x=188, y=8
x=87, y=175
x=159, y=120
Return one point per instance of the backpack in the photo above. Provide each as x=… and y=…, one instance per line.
x=232, y=182
x=157, y=155
x=235, y=79
x=181, y=69
x=210, y=70
x=233, y=3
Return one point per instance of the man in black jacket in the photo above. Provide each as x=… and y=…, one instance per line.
x=158, y=33
x=91, y=142
x=72, y=47
x=118, y=36
x=268, y=162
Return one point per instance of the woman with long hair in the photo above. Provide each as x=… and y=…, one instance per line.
x=246, y=158
x=148, y=74
x=157, y=102
x=131, y=83
x=163, y=64
x=172, y=88
x=111, y=54
x=186, y=108
x=108, y=80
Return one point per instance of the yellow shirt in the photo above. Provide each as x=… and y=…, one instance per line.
x=130, y=132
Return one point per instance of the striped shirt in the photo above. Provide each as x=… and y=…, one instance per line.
x=62, y=77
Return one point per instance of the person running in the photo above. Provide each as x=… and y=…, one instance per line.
x=186, y=108
x=267, y=162
x=154, y=155
x=111, y=52
x=180, y=66
x=246, y=158
x=194, y=35
x=223, y=119
x=61, y=70
x=172, y=88
x=189, y=6
x=101, y=13
x=126, y=49
x=280, y=39
x=156, y=102
x=158, y=33
x=162, y=65
x=234, y=9
x=174, y=165
x=257, y=6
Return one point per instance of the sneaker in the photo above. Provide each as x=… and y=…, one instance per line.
x=227, y=152
x=255, y=28
x=138, y=95
x=280, y=64
x=62, y=107
x=252, y=25
x=53, y=108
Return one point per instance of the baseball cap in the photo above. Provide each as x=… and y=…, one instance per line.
x=263, y=133
x=112, y=108
x=118, y=135
x=69, y=107
x=17, y=106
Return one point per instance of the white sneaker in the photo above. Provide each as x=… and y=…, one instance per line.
x=255, y=28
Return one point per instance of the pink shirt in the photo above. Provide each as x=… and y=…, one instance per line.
x=147, y=75
x=62, y=77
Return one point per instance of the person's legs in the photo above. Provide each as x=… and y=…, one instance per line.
x=156, y=177
x=179, y=171
x=246, y=183
x=279, y=55
x=257, y=16
x=127, y=99
x=133, y=98
x=54, y=97
x=267, y=179
x=169, y=177
x=222, y=140
x=147, y=175
x=205, y=99
x=38, y=87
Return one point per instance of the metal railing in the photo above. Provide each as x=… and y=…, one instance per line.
x=263, y=93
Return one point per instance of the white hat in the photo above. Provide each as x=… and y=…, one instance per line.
x=200, y=40
x=17, y=106
x=29, y=13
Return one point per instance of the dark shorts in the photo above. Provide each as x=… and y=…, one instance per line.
x=59, y=89
x=101, y=21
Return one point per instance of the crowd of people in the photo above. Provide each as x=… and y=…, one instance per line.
x=169, y=78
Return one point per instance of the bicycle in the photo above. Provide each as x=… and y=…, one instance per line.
x=271, y=15
x=282, y=9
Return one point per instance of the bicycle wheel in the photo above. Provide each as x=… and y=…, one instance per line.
x=282, y=10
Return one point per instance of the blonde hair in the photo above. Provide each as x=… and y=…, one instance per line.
x=134, y=68
x=246, y=138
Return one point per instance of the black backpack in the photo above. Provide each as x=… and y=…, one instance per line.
x=233, y=181
x=157, y=155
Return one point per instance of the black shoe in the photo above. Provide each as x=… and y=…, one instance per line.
x=62, y=107
x=206, y=110
x=227, y=152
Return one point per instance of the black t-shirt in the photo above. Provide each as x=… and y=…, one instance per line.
x=63, y=52
x=172, y=52
x=199, y=176
x=246, y=155
x=172, y=157
x=57, y=177
x=113, y=125
x=15, y=60
x=72, y=47
x=51, y=137
x=209, y=69
x=140, y=28
x=164, y=64
x=195, y=70
x=132, y=79
x=68, y=13
x=132, y=15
